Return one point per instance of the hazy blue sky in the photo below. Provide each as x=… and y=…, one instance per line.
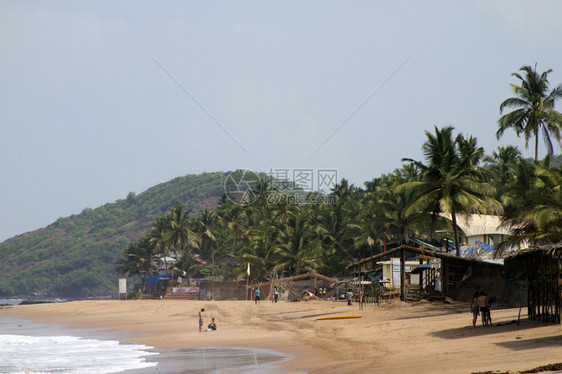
x=87, y=115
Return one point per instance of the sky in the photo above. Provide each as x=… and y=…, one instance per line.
x=101, y=98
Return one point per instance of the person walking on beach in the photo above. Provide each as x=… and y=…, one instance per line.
x=201, y=319
x=474, y=308
x=349, y=296
x=258, y=295
x=484, y=306
x=275, y=293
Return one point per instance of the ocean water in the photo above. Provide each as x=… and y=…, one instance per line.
x=70, y=354
x=33, y=348
x=10, y=301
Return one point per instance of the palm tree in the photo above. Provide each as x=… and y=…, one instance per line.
x=502, y=163
x=534, y=205
x=535, y=112
x=263, y=240
x=450, y=181
x=231, y=219
x=338, y=225
x=396, y=203
x=158, y=236
x=138, y=259
x=548, y=211
x=205, y=228
x=502, y=166
x=179, y=235
x=299, y=247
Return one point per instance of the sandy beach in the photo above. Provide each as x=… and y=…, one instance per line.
x=394, y=337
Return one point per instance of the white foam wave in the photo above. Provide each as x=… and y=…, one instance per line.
x=70, y=355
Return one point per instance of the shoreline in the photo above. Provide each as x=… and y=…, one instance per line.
x=394, y=337
x=172, y=361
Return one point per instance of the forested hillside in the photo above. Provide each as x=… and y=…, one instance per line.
x=76, y=255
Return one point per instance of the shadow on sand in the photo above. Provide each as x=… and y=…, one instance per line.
x=479, y=330
x=522, y=344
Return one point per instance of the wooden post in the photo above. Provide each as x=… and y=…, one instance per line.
x=420, y=278
x=403, y=274
x=558, y=294
x=360, y=289
x=444, y=276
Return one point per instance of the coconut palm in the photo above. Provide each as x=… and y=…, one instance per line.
x=450, y=182
x=398, y=220
x=534, y=205
x=205, y=228
x=534, y=113
x=231, y=220
x=299, y=247
x=138, y=259
x=338, y=225
x=179, y=234
x=263, y=241
x=158, y=236
x=502, y=164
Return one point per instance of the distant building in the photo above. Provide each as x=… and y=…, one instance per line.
x=483, y=233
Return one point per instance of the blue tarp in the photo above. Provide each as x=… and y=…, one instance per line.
x=421, y=268
x=157, y=278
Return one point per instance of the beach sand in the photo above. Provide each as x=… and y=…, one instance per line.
x=394, y=337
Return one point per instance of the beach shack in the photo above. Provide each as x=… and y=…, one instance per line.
x=442, y=274
x=391, y=272
x=533, y=278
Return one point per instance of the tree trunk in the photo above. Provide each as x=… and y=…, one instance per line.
x=406, y=235
x=536, y=147
x=456, y=232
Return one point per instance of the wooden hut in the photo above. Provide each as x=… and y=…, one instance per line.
x=533, y=276
x=452, y=276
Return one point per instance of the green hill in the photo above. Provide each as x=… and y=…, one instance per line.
x=76, y=255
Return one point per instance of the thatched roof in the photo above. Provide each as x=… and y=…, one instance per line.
x=547, y=249
x=421, y=251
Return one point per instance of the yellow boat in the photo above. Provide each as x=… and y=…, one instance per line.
x=337, y=317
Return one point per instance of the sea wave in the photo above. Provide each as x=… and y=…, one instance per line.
x=70, y=355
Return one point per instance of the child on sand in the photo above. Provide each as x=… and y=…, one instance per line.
x=212, y=326
x=201, y=319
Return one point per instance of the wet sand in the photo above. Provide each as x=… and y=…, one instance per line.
x=394, y=337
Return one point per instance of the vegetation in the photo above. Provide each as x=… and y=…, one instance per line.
x=83, y=255
x=76, y=255
x=451, y=181
x=549, y=367
x=535, y=112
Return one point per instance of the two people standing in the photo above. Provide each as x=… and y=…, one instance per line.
x=481, y=305
x=274, y=298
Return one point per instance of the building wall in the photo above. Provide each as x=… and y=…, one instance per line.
x=394, y=281
x=485, y=277
x=222, y=290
